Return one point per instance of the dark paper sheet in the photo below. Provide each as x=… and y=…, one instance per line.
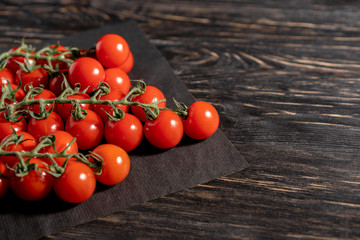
x=153, y=173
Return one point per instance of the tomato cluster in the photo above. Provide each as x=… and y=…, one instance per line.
x=108, y=123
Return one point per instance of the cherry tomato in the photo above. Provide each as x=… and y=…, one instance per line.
x=152, y=94
x=118, y=80
x=112, y=50
x=62, y=141
x=64, y=109
x=4, y=182
x=38, y=77
x=43, y=127
x=88, y=131
x=116, y=165
x=56, y=51
x=128, y=64
x=34, y=186
x=19, y=94
x=86, y=71
x=28, y=144
x=166, y=131
x=7, y=127
x=6, y=76
x=77, y=184
x=45, y=94
x=100, y=108
x=126, y=133
x=56, y=84
x=12, y=63
x=202, y=120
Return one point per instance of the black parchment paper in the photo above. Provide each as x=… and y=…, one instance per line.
x=153, y=173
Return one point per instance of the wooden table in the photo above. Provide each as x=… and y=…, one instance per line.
x=284, y=76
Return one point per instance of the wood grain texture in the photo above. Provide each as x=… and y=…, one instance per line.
x=285, y=78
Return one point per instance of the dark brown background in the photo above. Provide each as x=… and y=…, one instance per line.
x=284, y=76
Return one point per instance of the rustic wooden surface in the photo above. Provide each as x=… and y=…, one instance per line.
x=285, y=77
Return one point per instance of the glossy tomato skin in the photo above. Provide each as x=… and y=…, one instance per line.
x=35, y=185
x=64, y=109
x=118, y=80
x=7, y=127
x=88, y=131
x=128, y=64
x=6, y=76
x=166, y=131
x=38, y=77
x=116, y=164
x=113, y=96
x=4, y=182
x=29, y=143
x=56, y=84
x=202, y=120
x=63, y=140
x=77, y=184
x=43, y=127
x=12, y=63
x=152, y=94
x=126, y=133
x=112, y=50
x=45, y=94
x=86, y=71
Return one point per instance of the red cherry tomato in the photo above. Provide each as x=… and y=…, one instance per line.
x=34, y=186
x=112, y=50
x=118, y=80
x=152, y=94
x=202, y=120
x=36, y=78
x=126, y=133
x=19, y=94
x=6, y=76
x=116, y=164
x=64, y=109
x=7, y=127
x=88, y=131
x=166, y=131
x=100, y=108
x=63, y=140
x=4, y=182
x=45, y=94
x=12, y=63
x=43, y=127
x=128, y=64
x=77, y=184
x=28, y=144
x=86, y=71
x=56, y=84
x=56, y=51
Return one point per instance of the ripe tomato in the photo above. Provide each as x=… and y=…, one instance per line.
x=36, y=78
x=19, y=94
x=28, y=144
x=55, y=84
x=100, y=108
x=43, y=127
x=35, y=185
x=118, y=80
x=4, y=182
x=63, y=140
x=56, y=51
x=77, y=183
x=128, y=64
x=152, y=94
x=112, y=50
x=86, y=71
x=7, y=127
x=12, y=63
x=45, y=94
x=166, y=131
x=64, y=109
x=116, y=165
x=88, y=131
x=202, y=120
x=126, y=133
x=6, y=76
